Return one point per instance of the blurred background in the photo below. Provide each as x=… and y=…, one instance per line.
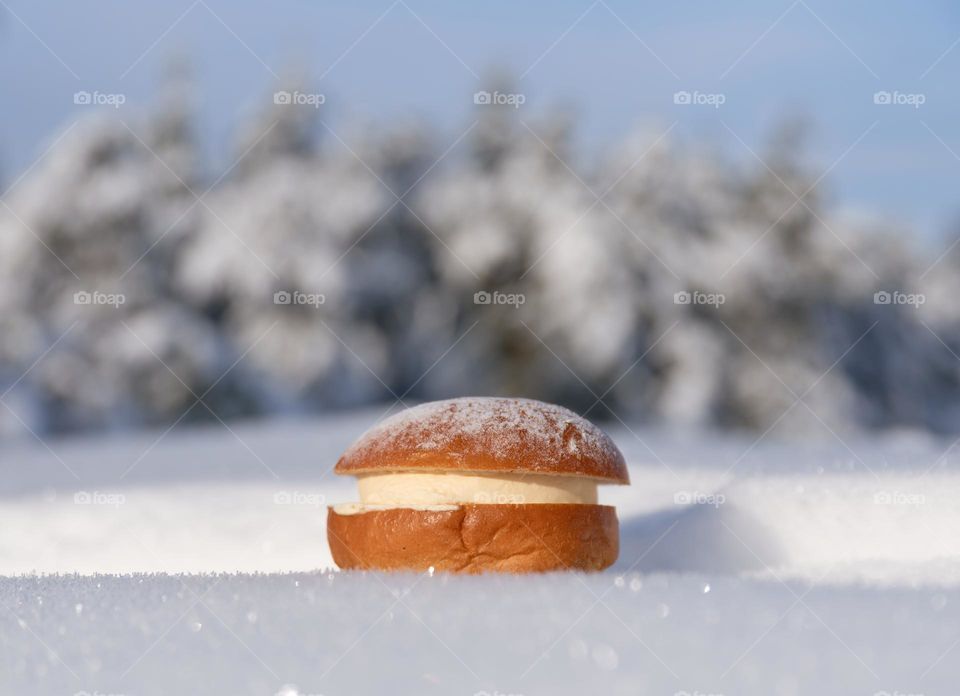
x=738, y=215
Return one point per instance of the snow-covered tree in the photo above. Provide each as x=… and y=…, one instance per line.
x=321, y=269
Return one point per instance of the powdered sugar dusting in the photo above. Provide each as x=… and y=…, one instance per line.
x=488, y=433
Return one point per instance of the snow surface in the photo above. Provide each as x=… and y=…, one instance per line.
x=746, y=568
x=563, y=634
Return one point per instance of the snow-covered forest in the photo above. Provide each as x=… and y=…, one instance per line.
x=658, y=281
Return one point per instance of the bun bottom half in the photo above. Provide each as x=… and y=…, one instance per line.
x=477, y=538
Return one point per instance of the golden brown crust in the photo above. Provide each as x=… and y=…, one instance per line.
x=477, y=538
x=487, y=434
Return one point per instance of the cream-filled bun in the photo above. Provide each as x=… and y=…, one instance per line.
x=479, y=484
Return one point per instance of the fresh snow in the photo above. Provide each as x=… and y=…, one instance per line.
x=746, y=568
x=339, y=633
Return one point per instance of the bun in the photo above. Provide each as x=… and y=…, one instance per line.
x=476, y=538
x=487, y=434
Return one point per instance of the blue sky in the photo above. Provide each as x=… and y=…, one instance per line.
x=617, y=63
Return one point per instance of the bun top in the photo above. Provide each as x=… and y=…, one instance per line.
x=487, y=434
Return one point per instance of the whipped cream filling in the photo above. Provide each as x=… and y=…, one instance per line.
x=360, y=508
x=411, y=489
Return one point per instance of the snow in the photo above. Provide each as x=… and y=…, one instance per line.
x=332, y=633
x=767, y=568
